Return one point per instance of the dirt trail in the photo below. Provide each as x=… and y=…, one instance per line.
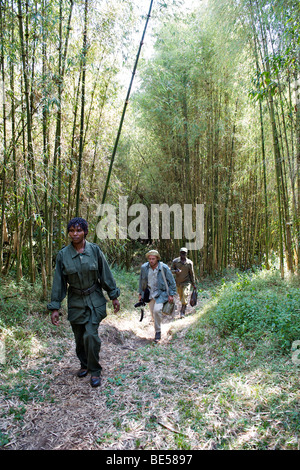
x=79, y=415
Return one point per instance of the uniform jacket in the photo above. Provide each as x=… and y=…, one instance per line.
x=162, y=296
x=186, y=276
x=82, y=271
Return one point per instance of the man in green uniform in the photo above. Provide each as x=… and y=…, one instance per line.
x=82, y=272
x=183, y=269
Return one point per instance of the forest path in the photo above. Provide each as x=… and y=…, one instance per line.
x=84, y=418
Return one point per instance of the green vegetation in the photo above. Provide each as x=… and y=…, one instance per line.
x=226, y=379
x=27, y=334
x=256, y=308
x=214, y=119
x=24, y=321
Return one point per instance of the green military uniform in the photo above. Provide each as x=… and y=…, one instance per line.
x=83, y=276
x=184, y=278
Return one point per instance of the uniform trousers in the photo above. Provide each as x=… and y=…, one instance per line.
x=88, y=346
x=183, y=292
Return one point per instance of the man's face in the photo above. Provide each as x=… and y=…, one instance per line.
x=183, y=255
x=153, y=260
x=76, y=234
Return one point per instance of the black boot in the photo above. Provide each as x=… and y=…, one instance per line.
x=157, y=337
x=95, y=381
x=82, y=373
x=182, y=313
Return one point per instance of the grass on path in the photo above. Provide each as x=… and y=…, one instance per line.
x=225, y=377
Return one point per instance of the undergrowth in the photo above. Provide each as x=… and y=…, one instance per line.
x=258, y=307
x=25, y=327
x=226, y=380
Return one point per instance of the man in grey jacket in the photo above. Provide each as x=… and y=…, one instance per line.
x=152, y=278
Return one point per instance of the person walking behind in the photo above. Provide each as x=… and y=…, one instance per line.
x=183, y=269
x=81, y=273
x=151, y=277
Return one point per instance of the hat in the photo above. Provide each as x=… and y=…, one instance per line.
x=153, y=253
x=184, y=249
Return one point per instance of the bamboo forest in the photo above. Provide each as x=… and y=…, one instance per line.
x=212, y=119
x=135, y=107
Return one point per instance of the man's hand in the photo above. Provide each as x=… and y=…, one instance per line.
x=171, y=299
x=55, y=317
x=116, y=305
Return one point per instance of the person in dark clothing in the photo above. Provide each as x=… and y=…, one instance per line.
x=183, y=269
x=81, y=273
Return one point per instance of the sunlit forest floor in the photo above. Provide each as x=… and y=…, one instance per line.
x=198, y=389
